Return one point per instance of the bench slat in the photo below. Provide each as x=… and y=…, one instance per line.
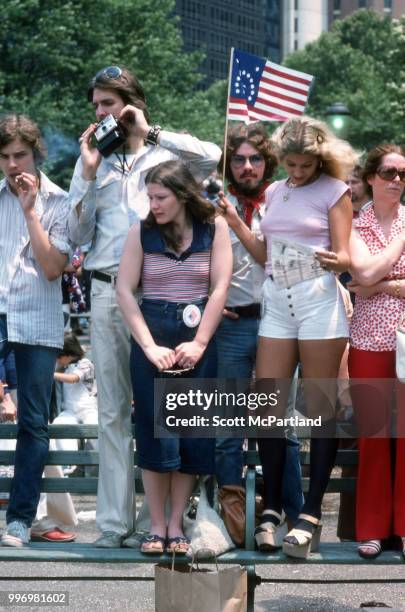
x=330, y=553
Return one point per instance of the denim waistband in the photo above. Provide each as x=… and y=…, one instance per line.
x=166, y=307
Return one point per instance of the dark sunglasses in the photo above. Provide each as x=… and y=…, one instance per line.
x=110, y=73
x=240, y=160
x=389, y=173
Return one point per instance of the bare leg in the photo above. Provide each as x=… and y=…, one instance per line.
x=156, y=487
x=181, y=487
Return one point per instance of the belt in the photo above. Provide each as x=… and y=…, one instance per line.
x=250, y=310
x=106, y=278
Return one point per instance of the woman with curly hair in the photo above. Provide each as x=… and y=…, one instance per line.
x=307, y=227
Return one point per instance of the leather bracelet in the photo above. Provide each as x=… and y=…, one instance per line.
x=153, y=135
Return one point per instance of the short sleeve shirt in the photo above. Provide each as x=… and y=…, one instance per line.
x=375, y=319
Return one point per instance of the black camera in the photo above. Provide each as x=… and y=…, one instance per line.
x=110, y=136
x=212, y=186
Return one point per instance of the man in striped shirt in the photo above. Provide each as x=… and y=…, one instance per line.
x=108, y=195
x=34, y=250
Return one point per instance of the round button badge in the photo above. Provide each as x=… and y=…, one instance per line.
x=191, y=315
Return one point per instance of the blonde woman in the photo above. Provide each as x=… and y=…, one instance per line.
x=304, y=319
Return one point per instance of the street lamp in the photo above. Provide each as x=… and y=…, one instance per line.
x=338, y=118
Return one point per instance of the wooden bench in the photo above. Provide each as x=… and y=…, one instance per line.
x=330, y=553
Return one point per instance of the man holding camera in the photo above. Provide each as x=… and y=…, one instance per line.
x=107, y=196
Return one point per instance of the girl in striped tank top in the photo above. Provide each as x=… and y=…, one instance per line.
x=182, y=254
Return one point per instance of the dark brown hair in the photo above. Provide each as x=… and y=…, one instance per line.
x=126, y=86
x=255, y=135
x=373, y=161
x=15, y=126
x=72, y=348
x=175, y=175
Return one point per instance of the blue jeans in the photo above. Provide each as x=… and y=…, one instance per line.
x=237, y=346
x=188, y=455
x=35, y=367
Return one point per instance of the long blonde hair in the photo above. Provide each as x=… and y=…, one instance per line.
x=305, y=135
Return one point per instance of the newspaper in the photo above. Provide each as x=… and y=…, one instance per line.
x=293, y=263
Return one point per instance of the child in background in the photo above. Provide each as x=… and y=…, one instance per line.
x=79, y=402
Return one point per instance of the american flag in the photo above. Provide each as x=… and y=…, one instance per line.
x=263, y=91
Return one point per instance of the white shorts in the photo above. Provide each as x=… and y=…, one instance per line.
x=310, y=310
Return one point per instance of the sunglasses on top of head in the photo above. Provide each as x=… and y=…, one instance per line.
x=389, y=173
x=111, y=73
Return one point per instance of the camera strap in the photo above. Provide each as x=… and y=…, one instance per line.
x=124, y=165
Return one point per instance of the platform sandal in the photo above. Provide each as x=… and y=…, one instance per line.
x=271, y=531
x=304, y=538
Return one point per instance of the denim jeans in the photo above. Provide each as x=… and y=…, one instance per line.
x=35, y=367
x=188, y=455
x=237, y=346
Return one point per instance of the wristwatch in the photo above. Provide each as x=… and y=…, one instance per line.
x=153, y=135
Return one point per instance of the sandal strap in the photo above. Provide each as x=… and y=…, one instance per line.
x=178, y=540
x=269, y=512
x=309, y=518
x=373, y=544
x=301, y=535
x=153, y=539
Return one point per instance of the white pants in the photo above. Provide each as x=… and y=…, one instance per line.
x=110, y=341
x=86, y=417
x=54, y=509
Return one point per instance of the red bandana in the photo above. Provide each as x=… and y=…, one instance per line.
x=249, y=203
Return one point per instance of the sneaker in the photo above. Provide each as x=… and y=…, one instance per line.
x=54, y=535
x=109, y=539
x=16, y=534
x=133, y=540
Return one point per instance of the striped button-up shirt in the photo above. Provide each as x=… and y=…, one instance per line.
x=116, y=199
x=31, y=302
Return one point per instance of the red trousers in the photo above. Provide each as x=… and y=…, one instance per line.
x=380, y=503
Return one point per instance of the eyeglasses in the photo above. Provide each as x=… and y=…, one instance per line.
x=389, y=173
x=240, y=160
x=110, y=73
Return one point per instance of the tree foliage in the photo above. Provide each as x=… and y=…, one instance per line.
x=360, y=63
x=49, y=49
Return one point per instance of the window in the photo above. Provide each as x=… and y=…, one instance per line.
x=295, y=5
x=336, y=5
x=387, y=5
x=362, y=4
x=296, y=24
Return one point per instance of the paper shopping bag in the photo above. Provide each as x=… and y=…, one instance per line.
x=187, y=589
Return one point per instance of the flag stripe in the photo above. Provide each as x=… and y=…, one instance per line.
x=279, y=96
x=284, y=74
x=280, y=107
x=262, y=90
x=291, y=71
x=279, y=83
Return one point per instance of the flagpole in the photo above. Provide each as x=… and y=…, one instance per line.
x=226, y=118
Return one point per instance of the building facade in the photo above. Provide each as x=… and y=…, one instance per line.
x=215, y=26
x=339, y=9
x=268, y=28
